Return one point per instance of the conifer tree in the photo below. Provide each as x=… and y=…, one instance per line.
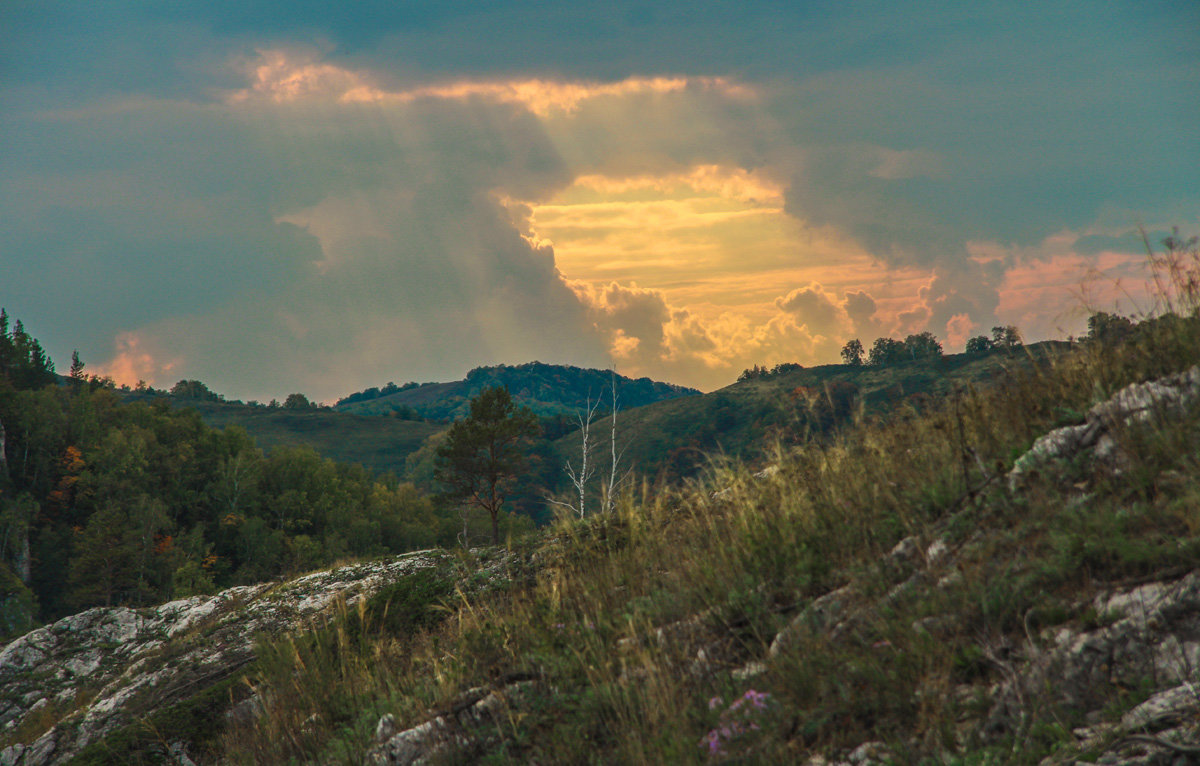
x=76, y=366
x=482, y=452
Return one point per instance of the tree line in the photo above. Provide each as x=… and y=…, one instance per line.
x=109, y=502
x=923, y=346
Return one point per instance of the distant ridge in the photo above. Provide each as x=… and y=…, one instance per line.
x=548, y=389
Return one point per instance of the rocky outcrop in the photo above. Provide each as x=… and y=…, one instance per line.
x=1152, y=638
x=461, y=728
x=1136, y=403
x=1145, y=637
x=107, y=666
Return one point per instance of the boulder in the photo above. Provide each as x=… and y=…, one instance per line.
x=143, y=660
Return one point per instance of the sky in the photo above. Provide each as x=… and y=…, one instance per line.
x=317, y=198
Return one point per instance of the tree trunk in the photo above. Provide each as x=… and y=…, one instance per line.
x=494, y=508
x=22, y=559
x=3, y=458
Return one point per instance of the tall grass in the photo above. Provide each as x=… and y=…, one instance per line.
x=636, y=634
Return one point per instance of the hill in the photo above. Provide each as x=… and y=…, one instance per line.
x=380, y=428
x=674, y=439
x=547, y=389
x=1009, y=577
x=669, y=431
x=380, y=444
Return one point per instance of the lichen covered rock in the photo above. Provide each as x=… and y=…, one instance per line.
x=109, y=666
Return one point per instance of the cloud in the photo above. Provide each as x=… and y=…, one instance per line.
x=958, y=295
x=813, y=309
x=958, y=330
x=646, y=335
x=860, y=309
x=322, y=204
x=133, y=362
x=300, y=244
x=751, y=186
x=281, y=76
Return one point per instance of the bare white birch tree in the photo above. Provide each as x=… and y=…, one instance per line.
x=580, y=478
x=616, y=477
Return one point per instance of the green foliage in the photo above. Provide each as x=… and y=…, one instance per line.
x=23, y=363
x=298, y=402
x=77, y=365
x=412, y=603
x=978, y=345
x=923, y=346
x=1108, y=328
x=483, y=454
x=114, y=557
x=18, y=606
x=547, y=389
x=853, y=353
x=193, y=389
x=758, y=372
x=887, y=351
x=192, y=579
x=133, y=503
x=1006, y=337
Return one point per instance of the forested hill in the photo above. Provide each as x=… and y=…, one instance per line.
x=791, y=404
x=107, y=499
x=547, y=389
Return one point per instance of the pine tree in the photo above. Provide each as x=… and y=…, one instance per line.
x=76, y=366
x=482, y=452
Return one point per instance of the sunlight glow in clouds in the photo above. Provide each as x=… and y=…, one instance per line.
x=299, y=205
x=280, y=76
x=134, y=363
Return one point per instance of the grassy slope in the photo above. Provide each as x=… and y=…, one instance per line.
x=418, y=398
x=744, y=419
x=608, y=615
x=670, y=438
x=378, y=443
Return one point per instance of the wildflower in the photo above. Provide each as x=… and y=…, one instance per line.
x=735, y=721
x=758, y=699
x=712, y=741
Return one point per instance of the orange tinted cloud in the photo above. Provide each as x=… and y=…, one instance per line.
x=133, y=362
x=282, y=76
x=692, y=271
x=1053, y=296
x=734, y=183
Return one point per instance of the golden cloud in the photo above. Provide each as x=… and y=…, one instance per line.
x=133, y=361
x=282, y=76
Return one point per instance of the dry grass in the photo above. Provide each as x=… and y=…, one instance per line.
x=631, y=623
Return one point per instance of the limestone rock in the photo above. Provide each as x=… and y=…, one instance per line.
x=1136, y=403
x=147, y=659
x=1155, y=634
x=459, y=729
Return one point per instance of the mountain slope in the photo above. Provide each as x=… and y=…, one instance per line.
x=674, y=439
x=1012, y=577
x=381, y=444
x=546, y=388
